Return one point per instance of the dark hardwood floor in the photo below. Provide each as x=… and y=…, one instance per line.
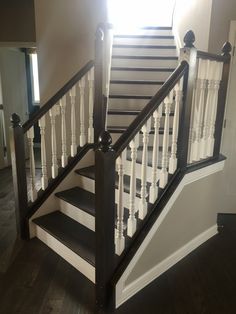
x=33, y=279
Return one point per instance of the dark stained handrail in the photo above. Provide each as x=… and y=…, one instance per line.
x=148, y=110
x=52, y=101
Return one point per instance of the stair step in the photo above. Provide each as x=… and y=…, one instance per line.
x=138, y=82
x=144, y=61
x=80, y=198
x=143, y=69
x=144, y=36
x=121, y=129
x=124, y=112
x=73, y=235
x=130, y=97
x=144, y=57
x=127, y=46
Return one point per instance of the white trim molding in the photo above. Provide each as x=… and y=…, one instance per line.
x=123, y=293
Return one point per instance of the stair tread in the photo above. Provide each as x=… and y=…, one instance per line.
x=130, y=96
x=128, y=112
x=145, y=82
x=150, y=69
x=89, y=172
x=80, y=198
x=76, y=237
x=144, y=46
x=121, y=129
x=144, y=36
x=145, y=57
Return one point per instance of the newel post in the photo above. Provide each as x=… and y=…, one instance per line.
x=189, y=54
x=226, y=49
x=19, y=175
x=99, y=114
x=104, y=222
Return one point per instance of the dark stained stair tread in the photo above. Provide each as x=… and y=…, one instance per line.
x=138, y=82
x=143, y=69
x=128, y=112
x=144, y=46
x=145, y=57
x=144, y=36
x=72, y=234
x=121, y=129
x=130, y=97
x=80, y=198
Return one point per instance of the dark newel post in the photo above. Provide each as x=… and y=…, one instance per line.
x=189, y=54
x=226, y=49
x=99, y=122
x=105, y=222
x=19, y=175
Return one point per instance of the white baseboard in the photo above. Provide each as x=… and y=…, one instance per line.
x=167, y=263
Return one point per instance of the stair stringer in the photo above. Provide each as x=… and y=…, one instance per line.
x=124, y=291
x=52, y=203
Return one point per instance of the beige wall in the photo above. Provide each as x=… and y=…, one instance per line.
x=17, y=21
x=65, y=32
x=194, y=212
x=223, y=11
x=193, y=15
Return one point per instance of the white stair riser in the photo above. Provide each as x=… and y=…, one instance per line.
x=143, y=51
x=72, y=258
x=144, y=41
x=134, y=89
x=125, y=120
x=89, y=185
x=159, y=32
x=77, y=214
x=140, y=75
x=144, y=63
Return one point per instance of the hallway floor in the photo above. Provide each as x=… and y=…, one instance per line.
x=33, y=279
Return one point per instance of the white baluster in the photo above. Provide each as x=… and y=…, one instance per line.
x=173, y=158
x=155, y=155
x=82, y=138
x=191, y=133
x=206, y=124
x=44, y=178
x=33, y=191
x=119, y=234
x=91, y=104
x=72, y=95
x=199, y=108
x=164, y=162
x=143, y=194
x=64, y=157
x=216, y=77
x=132, y=222
x=53, y=113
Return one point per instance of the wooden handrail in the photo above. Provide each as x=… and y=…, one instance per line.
x=148, y=110
x=52, y=101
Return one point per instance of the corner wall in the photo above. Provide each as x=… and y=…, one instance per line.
x=65, y=33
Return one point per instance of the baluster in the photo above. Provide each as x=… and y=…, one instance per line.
x=119, y=237
x=155, y=155
x=164, y=162
x=44, y=178
x=64, y=157
x=82, y=138
x=216, y=77
x=178, y=98
x=199, y=109
x=191, y=133
x=53, y=113
x=72, y=95
x=91, y=103
x=33, y=191
x=132, y=223
x=143, y=194
x=206, y=124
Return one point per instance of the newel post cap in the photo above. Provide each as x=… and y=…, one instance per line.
x=104, y=141
x=226, y=49
x=15, y=120
x=189, y=39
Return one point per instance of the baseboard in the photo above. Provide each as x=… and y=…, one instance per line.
x=167, y=263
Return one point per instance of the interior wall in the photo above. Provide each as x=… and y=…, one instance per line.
x=194, y=211
x=222, y=13
x=65, y=33
x=193, y=15
x=17, y=21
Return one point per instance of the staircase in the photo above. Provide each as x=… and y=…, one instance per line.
x=102, y=199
